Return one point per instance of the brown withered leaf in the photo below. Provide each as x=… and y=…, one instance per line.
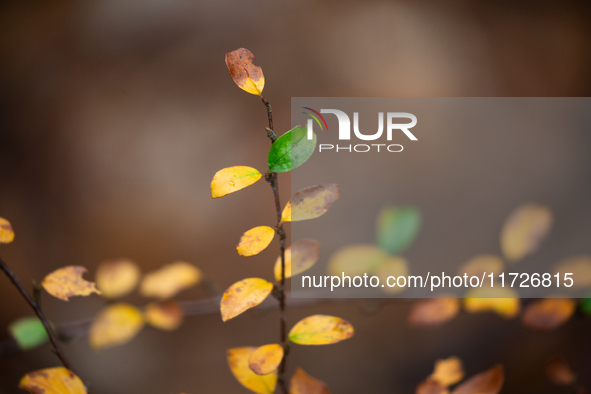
x=244, y=73
x=302, y=383
x=549, y=313
x=52, y=381
x=68, y=282
x=433, y=311
x=431, y=386
x=487, y=382
x=559, y=372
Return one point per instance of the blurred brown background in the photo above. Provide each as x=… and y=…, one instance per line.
x=116, y=114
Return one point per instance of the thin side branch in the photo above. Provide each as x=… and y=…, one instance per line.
x=35, y=305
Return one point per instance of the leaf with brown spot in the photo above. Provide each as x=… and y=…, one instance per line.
x=244, y=295
x=232, y=179
x=356, y=260
x=433, y=312
x=579, y=267
x=266, y=359
x=170, y=279
x=52, y=381
x=502, y=300
x=302, y=383
x=431, y=386
x=549, y=313
x=481, y=264
x=320, y=330
x=165, y=316
x=238, y=360
x=559, y=372
x=299, y=257
x=524, y=230
x=6, y=232
x=68, y=282
x=448, y=371
x=312, y=202
x=255, y=240
x=244, y=73
x=487, y=382
x=115, y=325
x=117, y=278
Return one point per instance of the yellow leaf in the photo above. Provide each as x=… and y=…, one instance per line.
x=244, y=295
x=356, y=260
x=302, y=383
x=117, y=278
x=434, y=311
x=524, y=230
x=232, y=179
x=67, y=282
x=6, y=232
x=165, y=316
x=52, y=381
x=170, y=279
x=312, y=202
x=502, y=300
x=255, y=240
x=579, y=267
x=286, y=214
x=115, y=325
x=479, y=265
x=393, y=266
x=487, y=382
x=299, y=257
x=238, y=359
x=549, y=313
x=246, y=75
x=266, y=359
x=320, y=330
x=448, y=371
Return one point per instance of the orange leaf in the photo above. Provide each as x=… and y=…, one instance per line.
x=524, y=230
x=302, y=383
x=431, y=386
x=266, y=359
x=311, y=202
x=299, y=257
x=232, y=179
x=117, y=278
x=255, y=240
x=165, y=316
x=448, y=371
x=67, y=282
x=487, y=382
x=246, y=75
x=52, y=381
x=170, y=279
x=320, y=330
x=115, y=325
x=238, y=361
x=433, y=312
x=559, y=372
x=6, y=232
x=549, y=313
x=244, y=295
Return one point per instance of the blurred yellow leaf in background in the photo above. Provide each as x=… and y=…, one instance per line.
x=232, y=179
x=502, y=300
x=266, y=359
x=320, y=330
x=356, y=260
x=68, y=282
x=244, y=295
x=393, y=266
x=170, y=279
x=6, y=232
x=524, y=230
x=483, y=264
x=165, y=316
x=255, y=240
x=433, y=311
x=117, y=278
x=579, y=267
x=238, y=360
x=549, y=313
x=448, y=371
x=52, y=381
x=115, y=325
x=246, y=75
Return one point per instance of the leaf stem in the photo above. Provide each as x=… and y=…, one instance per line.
x=273, y=181
x=39, y=312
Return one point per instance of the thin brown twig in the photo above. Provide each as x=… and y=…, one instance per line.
x=39, y=312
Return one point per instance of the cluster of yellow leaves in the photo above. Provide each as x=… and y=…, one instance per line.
x=52, y=381
x=449, y=372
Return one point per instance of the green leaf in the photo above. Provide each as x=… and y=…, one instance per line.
x=586, y=304
x=397, y=228
x=28, y=332
x=291, y=150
